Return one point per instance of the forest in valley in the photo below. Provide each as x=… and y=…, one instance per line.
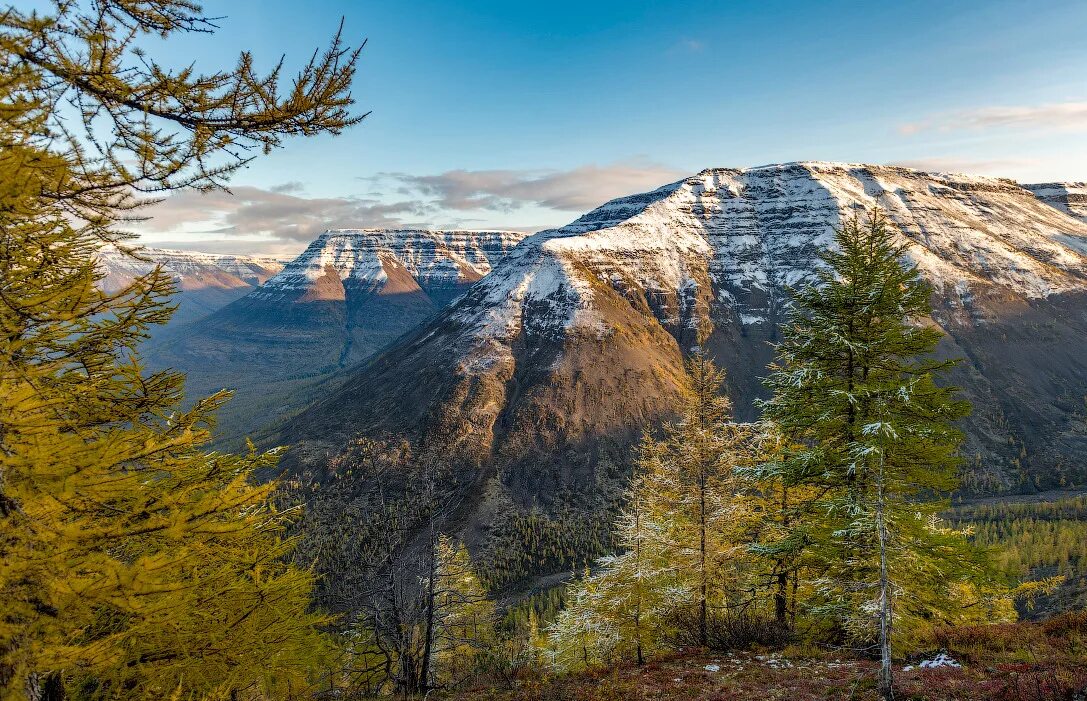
x=815, y=549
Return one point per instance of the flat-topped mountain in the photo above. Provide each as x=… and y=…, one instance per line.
x=362, y=262
x=205, y=281
x=551, y=366
x=350, y=293
x=1068, y=197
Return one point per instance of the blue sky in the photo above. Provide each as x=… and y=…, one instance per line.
x=523, y=115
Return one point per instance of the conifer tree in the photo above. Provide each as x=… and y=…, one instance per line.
x=781, y=534
x=854, y=388
x=464, y=616
x=621, y=610
x=684, y=535
x=694, y=488
x=132, y=563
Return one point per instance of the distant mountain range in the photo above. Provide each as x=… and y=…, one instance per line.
x=349, y=294
x=205, y=282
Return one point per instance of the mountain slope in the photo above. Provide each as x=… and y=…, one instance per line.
x=350, y=293
x=541, y=376
x=205, y=282
x=1070, y=198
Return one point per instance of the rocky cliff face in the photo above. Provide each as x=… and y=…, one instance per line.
x=551, y=366
x=350, y=293
x=1070, y=198
x=361, y=262
x=205, y=282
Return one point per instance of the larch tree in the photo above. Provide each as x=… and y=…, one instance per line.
x=133, y=564
x=780, y=538
x=691, y=475
x=684, y=561
x=621, y=610
x=465, y=617
x=873, y=435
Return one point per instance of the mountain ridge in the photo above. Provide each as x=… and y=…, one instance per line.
x=1070, y=197
x=539, y=380
x=205, y=282
x=347, y=295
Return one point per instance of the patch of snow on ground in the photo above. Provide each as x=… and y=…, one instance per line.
x=941, y=660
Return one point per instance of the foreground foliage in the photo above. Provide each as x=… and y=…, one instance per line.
x=133, y=564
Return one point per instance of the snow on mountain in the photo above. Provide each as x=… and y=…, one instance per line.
x=438, y=262
x=205, y=282
x=1067, y=197
x=191, y=270
x=743, y=236
x=348, y=295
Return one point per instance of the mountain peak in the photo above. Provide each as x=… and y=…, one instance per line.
x=440, y=261
x=609, y=304
x=749, y=233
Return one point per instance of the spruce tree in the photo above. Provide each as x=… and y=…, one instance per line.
x=854, y=388
x=133, y=564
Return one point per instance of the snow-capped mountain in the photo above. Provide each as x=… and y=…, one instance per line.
x=366, y=261
x=205, y=281
x=1068, y=197
x=349, y=294
x=575, y=341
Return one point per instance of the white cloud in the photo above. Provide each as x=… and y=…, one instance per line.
x=1068, y=116
x=575, y=190
x=275, y=213
x=281, y=217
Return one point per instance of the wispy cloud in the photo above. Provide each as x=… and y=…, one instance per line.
x=574, y=190
x=275, y=212
x=280, y=217
x=694, y=46
x=1057, y=115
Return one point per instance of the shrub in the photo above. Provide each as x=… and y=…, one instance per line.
x=976, y=643
x=729, y=631
x=1067, y=625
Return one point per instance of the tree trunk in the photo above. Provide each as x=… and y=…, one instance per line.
x=47, y=687
x=703, y=611
x=781, y=596
x=424, y=663
x=781, y=599
x=886, y=678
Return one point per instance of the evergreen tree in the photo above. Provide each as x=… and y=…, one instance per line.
x=854, y=388
x=464, y=617
x=684, y=561
x=132, y=563
x=693, y=486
